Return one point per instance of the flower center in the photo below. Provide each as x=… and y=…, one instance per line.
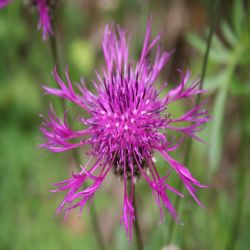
x=129, y=166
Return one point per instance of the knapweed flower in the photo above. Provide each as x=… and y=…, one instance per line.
x=128, y=121
x=43, y=7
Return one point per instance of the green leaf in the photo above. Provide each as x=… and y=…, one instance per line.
x=218, y=52
x=238, y=87
x=82, y=56
x=219, y=55
x=217, y=44
x=157, y=238
x=244, y=59
x=196, y=42
x=238, y=15
x=216, y=81
x=229, y=34
x=216, y=133
x=121, y=242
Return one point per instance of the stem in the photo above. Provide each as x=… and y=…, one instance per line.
x=75, y=154
x=177, y=203
x=136, y=226
x=241, y=180
x=53, y=47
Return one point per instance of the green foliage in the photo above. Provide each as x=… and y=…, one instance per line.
x=81, y=54
x=228, y=70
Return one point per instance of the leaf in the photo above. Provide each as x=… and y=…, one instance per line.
x=196, y=42
x=244, y=59
x=121, y=242
x=219, y=56
x=216, y=133
x=157, y=238
x=82, y=55
x=238, y=87
x=214, y=82
x=217, y=44
x=229, y=34
x=238, y=16
x=217, y=53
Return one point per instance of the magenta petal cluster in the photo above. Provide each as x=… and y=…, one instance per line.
x=44, y=16
x=127, y=122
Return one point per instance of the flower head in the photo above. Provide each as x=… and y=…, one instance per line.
x=128, y=121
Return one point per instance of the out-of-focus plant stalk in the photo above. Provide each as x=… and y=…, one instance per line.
x=173, y=225
x=75, y=153
x=241, y=178
x=137, y=226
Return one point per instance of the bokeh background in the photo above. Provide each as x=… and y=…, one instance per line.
x=27, y=210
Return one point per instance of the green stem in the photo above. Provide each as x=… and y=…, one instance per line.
x=177, y=204
x=53, y=47
x=75, y=154
x=136, y=226
x=241, y=180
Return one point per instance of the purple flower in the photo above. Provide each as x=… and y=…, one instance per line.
x=43, y=8
x=127, y=122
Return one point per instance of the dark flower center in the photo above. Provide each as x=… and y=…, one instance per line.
x=118, y=167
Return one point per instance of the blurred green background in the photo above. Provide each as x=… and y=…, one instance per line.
x=27, y=209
